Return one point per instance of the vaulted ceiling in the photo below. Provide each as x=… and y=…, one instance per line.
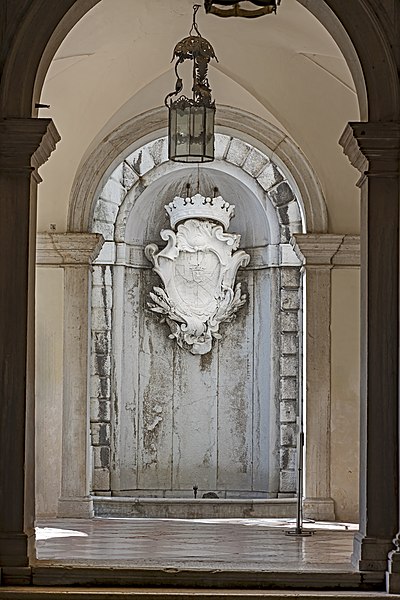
x=284, y=68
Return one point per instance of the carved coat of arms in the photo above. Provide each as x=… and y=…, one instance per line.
x=198, y=267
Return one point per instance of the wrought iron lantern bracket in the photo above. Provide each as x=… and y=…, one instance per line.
x=196, y=114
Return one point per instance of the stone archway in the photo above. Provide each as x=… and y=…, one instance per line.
x=370, y=37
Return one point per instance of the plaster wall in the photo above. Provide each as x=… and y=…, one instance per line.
x=49, y=386
x=345, y=391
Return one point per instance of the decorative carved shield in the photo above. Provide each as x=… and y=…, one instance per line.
x=198, y=268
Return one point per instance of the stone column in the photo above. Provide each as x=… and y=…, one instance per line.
x=318, y=251
x=74, y=252
x=25, y=144
x=374, y=149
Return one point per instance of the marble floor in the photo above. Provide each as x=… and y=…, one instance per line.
x=228, y=544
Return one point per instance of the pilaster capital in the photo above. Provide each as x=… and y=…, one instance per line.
x=67, y=249
x=26, y=144
x=373, y=148
x=326, y=250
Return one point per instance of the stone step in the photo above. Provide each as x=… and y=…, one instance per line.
x=59, y=593
x=186, y=508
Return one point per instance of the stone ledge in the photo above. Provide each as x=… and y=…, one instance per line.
x=182, y=508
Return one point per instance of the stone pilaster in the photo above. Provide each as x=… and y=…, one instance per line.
x=74, y=252
x=290, y=319
x=318, y=252
x=25, y=144
x=374, y=149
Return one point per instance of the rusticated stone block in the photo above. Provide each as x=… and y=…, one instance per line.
x=287, y=481
x=101, y=342
x=106, y=229
x=101, y=457
x=101, y=319
x=288, y=388
x=288, y=411
x=100, y=387
x=290, y=278
x=100, y=434
x=101, y=296
x=286, y=234
x=101, y=479
x=255, y=163
x=101, y=275
x=105, y=211
x=269, y=177
x=100, y=410
x=221, y=146
x=130, y=177
x=290, y=299
x=141, y=160
x=281, y=194
x=289, y=322
x=287, y=459
x=288, y=434
x=289, y=365
x=289, y=344
x=237, y=152
x=159, y=150
x=113, y=191
x=289, y=213
x=101, y=365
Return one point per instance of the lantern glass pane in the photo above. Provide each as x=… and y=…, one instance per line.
x=191, y=133
x=182, y=132
x=197, y=131
x=209, y=137
x=172, y=133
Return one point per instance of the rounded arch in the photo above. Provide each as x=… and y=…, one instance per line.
x=254, y=131
x=36, y=40
x=274, y=208
x=355, y=26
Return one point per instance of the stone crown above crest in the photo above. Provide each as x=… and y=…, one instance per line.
x=200, y=207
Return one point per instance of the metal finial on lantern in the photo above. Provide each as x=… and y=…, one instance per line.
x=191, y=120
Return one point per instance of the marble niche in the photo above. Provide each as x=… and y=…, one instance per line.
x=195, y=381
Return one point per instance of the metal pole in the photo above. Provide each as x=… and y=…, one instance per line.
x=299, y=530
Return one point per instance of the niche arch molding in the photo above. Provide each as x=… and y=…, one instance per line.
x=148, y=126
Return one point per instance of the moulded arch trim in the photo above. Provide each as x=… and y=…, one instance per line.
x=148, y=126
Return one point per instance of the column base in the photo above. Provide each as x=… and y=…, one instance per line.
x=370, y=554
x=14, y=550
x=10, y=576
x=393, y=572
x=75, y=508
x=319, y=509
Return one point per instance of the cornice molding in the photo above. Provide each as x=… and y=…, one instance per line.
x=26, y=144
x=373, y=148
x=68, y=249
x=327, y=250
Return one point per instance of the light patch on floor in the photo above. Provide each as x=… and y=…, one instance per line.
x=48, y=533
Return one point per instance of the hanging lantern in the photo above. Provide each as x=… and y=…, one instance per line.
x=191, y=120
x=239, y=8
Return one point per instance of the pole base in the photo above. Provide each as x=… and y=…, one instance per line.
x=300, y=532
